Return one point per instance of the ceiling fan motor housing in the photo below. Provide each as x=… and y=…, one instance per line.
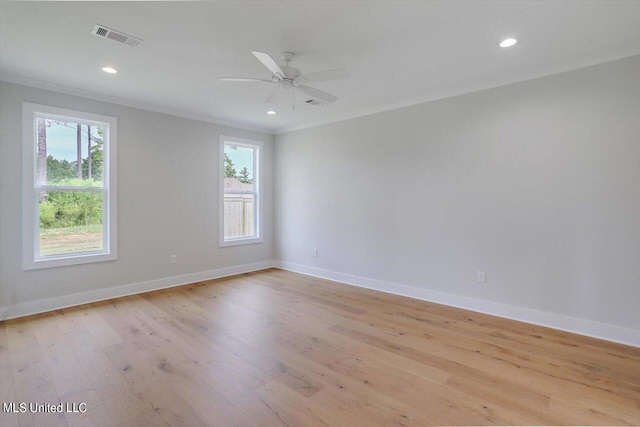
x=290, y=72
x=287, y=56
x=289, y=78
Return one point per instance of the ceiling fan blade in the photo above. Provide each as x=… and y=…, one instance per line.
x=322, y=76
x=273, y=96
x=242, y=79
x=318, y=94
x=268, y=62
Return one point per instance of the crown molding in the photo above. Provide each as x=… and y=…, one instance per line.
x=464, y=90
x=68, y=90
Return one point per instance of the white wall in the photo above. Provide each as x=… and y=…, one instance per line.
x=536, y=183
x=167, y=204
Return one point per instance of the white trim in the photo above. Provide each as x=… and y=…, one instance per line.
x=258, y=147
x=556, y=321
x=30, y=221
x=68, y=90
x=240, y=241
x=56, y=303
x=565, y=323
x=463, y=90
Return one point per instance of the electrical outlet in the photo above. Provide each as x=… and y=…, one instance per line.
x=481, y=277
x=315, y=252
x=172, y=259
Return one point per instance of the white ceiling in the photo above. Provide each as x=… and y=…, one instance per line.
x=397, y=53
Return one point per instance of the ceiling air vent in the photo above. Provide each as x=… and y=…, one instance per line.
x=106, y=32
x=313, y=102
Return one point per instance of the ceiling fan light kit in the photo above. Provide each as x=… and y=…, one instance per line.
x=285, y=78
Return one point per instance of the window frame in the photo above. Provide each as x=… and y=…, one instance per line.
x=257, y=191
x=30, y=206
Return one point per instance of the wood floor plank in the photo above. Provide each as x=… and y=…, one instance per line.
x=124, y=407
x=296, y=410
x=222, y=335
x=513, y=391
x=522, y=392
x=325, y=352
x=235, y=380
x=70, y=383
x=502, y=374
x=31, y=378
x=426, y=311
x=7, y=391
x=150, y=362
x=274, y=348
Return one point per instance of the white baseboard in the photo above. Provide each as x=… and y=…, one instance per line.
x=556, y=321
x=570, y=324
x=43, y=305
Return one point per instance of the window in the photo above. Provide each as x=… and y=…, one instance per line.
x=240, y=191
x=69, y=199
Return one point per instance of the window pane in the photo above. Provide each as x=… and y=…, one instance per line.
x=239, y=219
x=239, y=201
x=238, y=167
x=70, y=222
x=69, y=153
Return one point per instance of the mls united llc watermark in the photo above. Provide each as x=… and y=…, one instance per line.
x=35, y=407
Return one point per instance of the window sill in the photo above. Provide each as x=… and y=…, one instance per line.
x=63, y=261
x=238, y=242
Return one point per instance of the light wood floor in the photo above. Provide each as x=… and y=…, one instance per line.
x=275, y=348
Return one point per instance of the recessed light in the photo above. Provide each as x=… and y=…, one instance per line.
x=508, y=42
x=271, y=112
x=109, y=70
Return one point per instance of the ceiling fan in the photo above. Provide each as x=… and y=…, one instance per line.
x=285, y=77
